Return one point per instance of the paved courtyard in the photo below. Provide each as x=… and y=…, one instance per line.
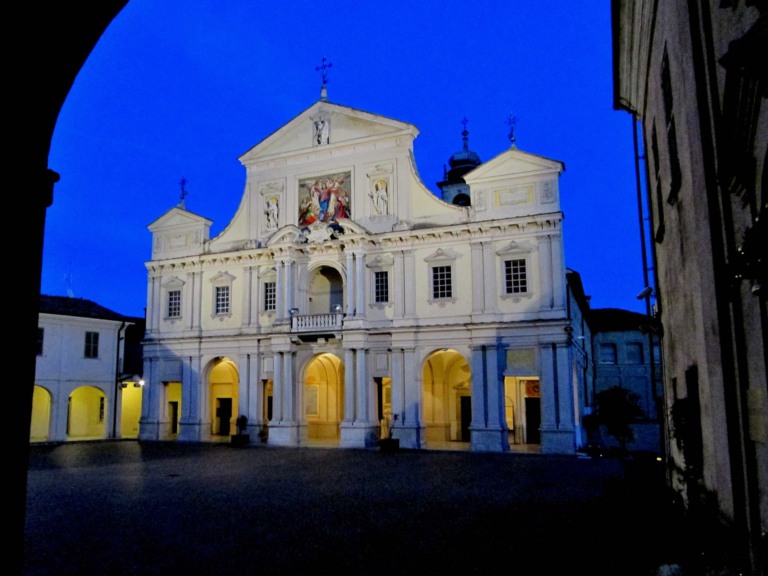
x=129, y=508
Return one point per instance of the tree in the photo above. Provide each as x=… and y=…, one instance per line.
x=617, y=409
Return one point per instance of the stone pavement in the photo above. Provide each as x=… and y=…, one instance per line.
x=130, y=508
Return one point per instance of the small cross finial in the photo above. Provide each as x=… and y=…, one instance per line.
x=184, y=192
x=324, y=68
x=511, y=121
x=465, y=134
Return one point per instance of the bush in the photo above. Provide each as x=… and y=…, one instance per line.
x=617, y=409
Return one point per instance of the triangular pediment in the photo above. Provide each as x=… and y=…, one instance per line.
x=325, y=124
x=178, y=217
x=513, y=163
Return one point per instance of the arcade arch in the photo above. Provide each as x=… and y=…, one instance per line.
x=323, y=397
x=86, y=413
x=223, y=380
x=447, y=398
x=42, y=399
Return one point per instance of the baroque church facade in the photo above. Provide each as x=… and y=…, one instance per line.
x=345, y=302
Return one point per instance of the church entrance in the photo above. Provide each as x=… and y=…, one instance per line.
x=223, y=379
x=323, y=397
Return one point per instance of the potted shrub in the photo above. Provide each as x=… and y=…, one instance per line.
x=388, y=443
x=241, y=438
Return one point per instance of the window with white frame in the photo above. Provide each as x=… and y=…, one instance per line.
x=91, y=345
x=442, y=282
x=380, y=275
x=174, y=303
x=441, y=271
x=515, y=276
x=222, y=300
x=515, y=273
x=381, y=286
x=270, y=296
x=222, y=294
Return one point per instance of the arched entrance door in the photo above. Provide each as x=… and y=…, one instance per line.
x=323, y=397
x=447, y=407
x=223, y=379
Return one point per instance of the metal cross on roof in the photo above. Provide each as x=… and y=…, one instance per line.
x=184, y=192
x=324, y=67
x=511, y=121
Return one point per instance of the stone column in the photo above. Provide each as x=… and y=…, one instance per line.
x=277, y=387
x=399, y=293
x=280, y=309
x=545, y=265
x=490, y=282
x=558, y=271
x=557, y=403
x=289, y=389
x=478, y=294
x=247, y=295
x=350, y=273
x=153, y=315
x=362, y=386
x=409, y=279
x=288, y=287
x=488, y=427
x=188, y=304
x=360, y=285
x=398, y=383
x=349, y=385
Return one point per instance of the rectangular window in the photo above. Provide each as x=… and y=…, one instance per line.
x=515, y=276
x=381, y=286
x=40, y=336
x=441, y=282
x=174, y=303
x=608, y=353
x=91, y=344
x=222, y=299
x=270, y=296
x=634, y=353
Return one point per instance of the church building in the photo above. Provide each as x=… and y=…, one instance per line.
x=345, y=302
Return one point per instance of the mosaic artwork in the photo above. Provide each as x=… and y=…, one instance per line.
x=324, y=198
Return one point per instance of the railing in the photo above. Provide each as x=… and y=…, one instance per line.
x=316, y=322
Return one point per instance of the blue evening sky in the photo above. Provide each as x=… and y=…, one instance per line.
x=181, y=88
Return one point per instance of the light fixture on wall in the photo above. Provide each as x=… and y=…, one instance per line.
x=337, y=308
x=647, y=291
x=293, y=311
x=139, y=383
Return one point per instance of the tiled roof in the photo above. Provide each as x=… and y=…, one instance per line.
x=618, y=319
x=66, y=306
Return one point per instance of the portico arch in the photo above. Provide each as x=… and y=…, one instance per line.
x=41, y=414
x=223, y=380
x=323, y=397
x=447, y=397
x=86, y=414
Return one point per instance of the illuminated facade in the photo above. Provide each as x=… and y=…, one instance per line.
x=82, y=390
x=345, y=299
